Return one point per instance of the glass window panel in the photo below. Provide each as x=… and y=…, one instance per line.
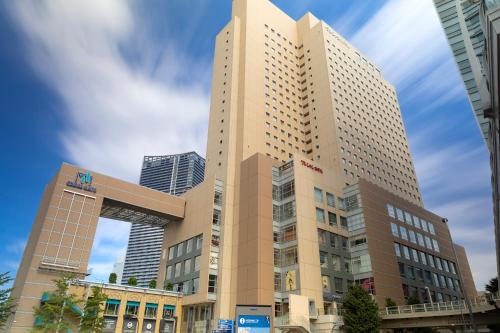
x=404, y=235
x=394, y=229
x=397, y=250
x=330, y=200
x=390, y=211
x=318, y=195
x=413, y=239
x=320, y=215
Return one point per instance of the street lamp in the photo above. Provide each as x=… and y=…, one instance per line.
x=429, y=295
x=461, y=288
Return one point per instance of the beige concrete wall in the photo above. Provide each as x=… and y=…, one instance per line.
x=64, y=229
x=468, y=280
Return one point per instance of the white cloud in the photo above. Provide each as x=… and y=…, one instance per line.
x=116, y=110
x=110, y=245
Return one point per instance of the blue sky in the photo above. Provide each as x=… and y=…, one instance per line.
x=102, y=83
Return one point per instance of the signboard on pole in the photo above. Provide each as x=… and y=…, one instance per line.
x=254, y=318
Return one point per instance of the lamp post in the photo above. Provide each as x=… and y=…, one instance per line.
x=429, y=295
x=461, y=286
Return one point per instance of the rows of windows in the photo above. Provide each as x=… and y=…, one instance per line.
x=431, y=279
x=185, y=247
x=414, y=237
x=412, y=220
x=330, y=217
x=426, y=259
x=112, y=308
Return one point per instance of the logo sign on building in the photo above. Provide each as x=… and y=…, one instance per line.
x=311, y=166
x=225, y=326
x=148, y=326
x=82, y=181
x=253, y=318
x=129, y=326
x=167, y=326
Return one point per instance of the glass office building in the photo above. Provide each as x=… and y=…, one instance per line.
x=173, y=174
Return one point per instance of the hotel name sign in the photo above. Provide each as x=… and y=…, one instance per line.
x=83, y=181
x=310, y=166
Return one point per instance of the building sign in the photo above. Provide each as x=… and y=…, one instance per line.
x=83, y=181
x=225, y=326
x=129, y=325
x=167, y=326
x=254, y=324
x=148, y=326
x=109, y=325
x=310, y=166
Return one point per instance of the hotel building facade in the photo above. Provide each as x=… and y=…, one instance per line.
x=309, y=187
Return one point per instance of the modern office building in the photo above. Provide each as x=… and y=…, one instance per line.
x=309, y=187
x=118, y=269
x=173, y=174
x=472, y=29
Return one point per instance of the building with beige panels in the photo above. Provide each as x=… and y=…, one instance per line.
x=309, y=187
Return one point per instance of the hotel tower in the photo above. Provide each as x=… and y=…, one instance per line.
x=309, y=188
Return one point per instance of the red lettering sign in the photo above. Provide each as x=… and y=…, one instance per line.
x=310, y=166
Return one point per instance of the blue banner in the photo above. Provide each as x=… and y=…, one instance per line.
x=254, y=321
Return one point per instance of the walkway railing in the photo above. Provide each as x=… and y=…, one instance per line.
x=460, y=305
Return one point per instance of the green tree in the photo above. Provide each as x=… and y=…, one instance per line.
x=132, y=281
x=112, y=278
x=152, y=284
x=92, y=321
x=412, y=300
x=7, y=303
x=492, y=286
x=360, y=311
x=55, y=312
x=389, y=303
x=169, y=286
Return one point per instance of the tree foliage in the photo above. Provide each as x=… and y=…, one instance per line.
x=112, y=278
x=389, y=303
x=360, y=312
x=492, y=286
x=132, y=281
x=7, y=303
x=55, y=312
x=92, y=321
x=412, y=300
x=169, y=286
x=152, y=284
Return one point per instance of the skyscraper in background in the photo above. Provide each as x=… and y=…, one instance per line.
x=472, y=28
x=173, y=174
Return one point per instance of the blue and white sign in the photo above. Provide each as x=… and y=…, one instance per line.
x=225, y=325
x=254, y=324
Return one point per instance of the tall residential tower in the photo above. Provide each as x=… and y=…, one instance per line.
x=172, y=174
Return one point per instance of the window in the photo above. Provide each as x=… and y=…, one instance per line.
x=320, y=215
x=344, y=243
x=178, y=269
x=318, y=195
x=289, y=233
x=423, y=258
x=199, y=242
x=321, y=237
x=180, y=248
x=323, y=259
x=431, y=260
x=189, y=245
x=424, y=225
x=289, y=256
x=411, y=272
x=187, y=266
x=287, y=210
x=169, y=272
x=397, y=250
x=197, y=263
x=171, y=252
x=195, y=285
x=212, y=283
x=431, y=228
x=339, y=285
x=414, y=255
x=330, y=200
x=218, y=198
x=404, y=235
x=399, y=213
x=150, y=310
x=132, y=308
x=445, y=265
x=332, y=219
x=420, y=239
x=413, y=239
x=402, y=269
x=408, y=218
x=336, y=263
x=277, y=282
x=436, y=245
x=287, y=189
x=435, y=279
x=452, y=268
x=343, y=222
x=428, y=243
x=416, y=222
x=217, y=217
x=390, y=211
x=112, y=307
x=394, y=229
x=439, y=265
x=406, y=252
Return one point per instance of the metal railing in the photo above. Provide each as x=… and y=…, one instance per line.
x=460, y=305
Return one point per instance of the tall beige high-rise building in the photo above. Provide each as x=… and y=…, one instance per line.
x=282, y=86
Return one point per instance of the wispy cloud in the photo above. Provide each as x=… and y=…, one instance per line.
x=110, y=245
x=118, y=106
